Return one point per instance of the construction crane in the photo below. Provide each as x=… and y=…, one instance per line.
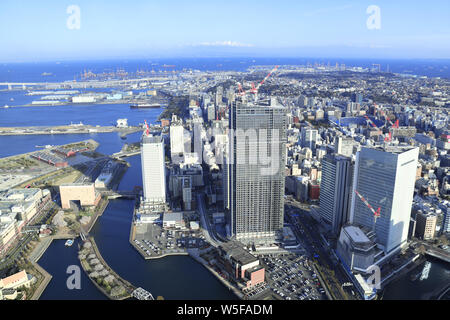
x=376, y=214
x=147, y=130
x=371, y=122
x=393, y=125
x=254, y=89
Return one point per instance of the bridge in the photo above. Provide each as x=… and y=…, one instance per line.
x=142, y=294
x=111, y=194
x=80, y=84
x=120, y=155
x=438, y=254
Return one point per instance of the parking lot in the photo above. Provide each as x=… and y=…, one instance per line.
x=154, y=241
x=291, y=277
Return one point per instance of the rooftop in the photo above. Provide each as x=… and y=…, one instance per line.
x=238, y=253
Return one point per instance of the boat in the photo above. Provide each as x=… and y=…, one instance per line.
x=69, y=243
x=145, y=105
x=6, y=106
x=425, y=271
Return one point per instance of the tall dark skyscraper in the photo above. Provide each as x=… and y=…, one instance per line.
x=254, y=173
x=335, y=191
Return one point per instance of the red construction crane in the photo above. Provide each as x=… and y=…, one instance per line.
x=254, y=89
x=376, y=214
x=371, y=122
x=393, y=125
x=147, y=131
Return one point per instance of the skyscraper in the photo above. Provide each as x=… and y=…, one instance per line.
x=176, y=139
x=254, y=173
x=385, y=178
x=309, y=138
x=335, y=191
x=153, y=169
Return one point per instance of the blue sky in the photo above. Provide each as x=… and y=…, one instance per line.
x=37, y=30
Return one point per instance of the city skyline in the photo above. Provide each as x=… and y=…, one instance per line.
x=347, y=29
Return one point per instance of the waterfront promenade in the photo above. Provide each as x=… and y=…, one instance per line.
x=113, y=286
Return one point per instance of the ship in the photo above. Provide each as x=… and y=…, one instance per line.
x=46, y=74
x=145, y=105
x=69, y=243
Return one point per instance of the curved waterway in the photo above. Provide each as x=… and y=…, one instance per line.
x=173, y=277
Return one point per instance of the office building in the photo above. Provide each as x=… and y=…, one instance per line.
x=385, y=178
x=153, y=169
x=344, y=146
x=335, y=191
x=176, y=138
x=309, y=138
x=426, y=225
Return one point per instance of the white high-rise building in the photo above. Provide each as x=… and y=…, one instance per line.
x=176, y=138
x=153, y=169
x=385, y=178
x=344, y=146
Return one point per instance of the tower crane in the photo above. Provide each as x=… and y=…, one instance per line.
x=147, y=130
x=254, y=89
x=376, y=214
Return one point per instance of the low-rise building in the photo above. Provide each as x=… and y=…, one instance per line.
x=173, y=220
x=84, y=194
x=241, y=265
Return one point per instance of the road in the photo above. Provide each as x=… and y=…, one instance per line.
x=207, y=230
x=307, y=231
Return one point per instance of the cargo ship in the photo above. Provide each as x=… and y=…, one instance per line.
x=145, y=105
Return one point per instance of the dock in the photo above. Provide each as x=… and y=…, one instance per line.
x=68, y=129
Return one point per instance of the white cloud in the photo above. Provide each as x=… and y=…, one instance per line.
x=224, y=44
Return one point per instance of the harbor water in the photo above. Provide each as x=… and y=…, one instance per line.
x=175, y=277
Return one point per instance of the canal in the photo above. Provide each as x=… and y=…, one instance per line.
x=173, y=277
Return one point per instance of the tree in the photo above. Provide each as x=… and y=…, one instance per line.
x=443, y=240
x=421, y=249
